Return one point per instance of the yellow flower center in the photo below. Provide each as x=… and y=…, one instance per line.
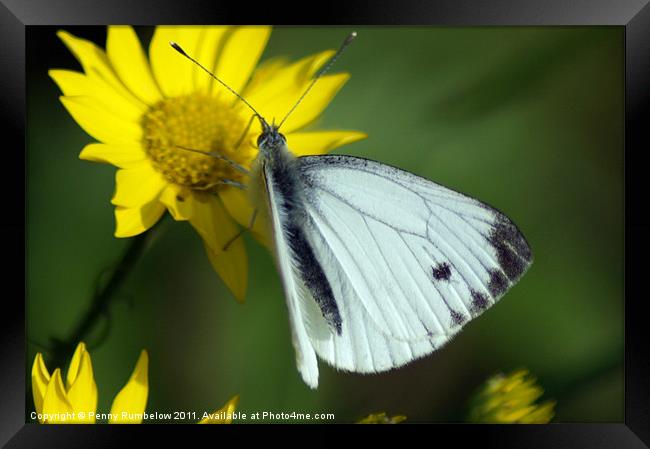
x=177, y=129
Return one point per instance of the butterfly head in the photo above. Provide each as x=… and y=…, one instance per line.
x=271, y=137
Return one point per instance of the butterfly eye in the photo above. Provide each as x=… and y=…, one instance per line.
x=260, y=139
x=283, y=138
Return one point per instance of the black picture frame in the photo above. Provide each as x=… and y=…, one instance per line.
x=633, y=15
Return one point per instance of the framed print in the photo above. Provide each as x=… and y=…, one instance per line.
x=417, y=215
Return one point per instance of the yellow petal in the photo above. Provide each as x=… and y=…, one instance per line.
x=239, y=207
x=178, y=201
x=265, y=73
x=130, y=63
x=129, y=404
x=513, y=416
x=73, y=369
x=173, y=72
x=315, y=103
x=94, y=62
x=210, y=44
x=122, y=156
x=212, y=221
x=321, y=142
x=221, y=416
x=91, y=85
x=137, y=186
x=208, y=216
x=56, y=407
x=241, y=52
x=204, y=211
x=82, y=390
x=132, y=221
x=101, y=123
x=232, y=267
x=91, y=57
x=275, y=79
x=541, y=415
x=40, y=380
x=275, y=97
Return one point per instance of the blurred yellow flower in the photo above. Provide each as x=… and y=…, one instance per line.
x=76, y=402
x=223, y=415
x=511, y=399
x=382, y=418
x=147, y=111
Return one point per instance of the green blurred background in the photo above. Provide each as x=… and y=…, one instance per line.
x=529, y=120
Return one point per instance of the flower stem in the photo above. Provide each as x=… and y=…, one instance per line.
x=103, y=296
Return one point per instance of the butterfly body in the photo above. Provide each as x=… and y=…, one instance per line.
x=277, y=170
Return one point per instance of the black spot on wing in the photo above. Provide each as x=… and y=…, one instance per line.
x=456, y=318
x=480, y=301
x=513, y=252
x=441, y=272
x=313, y=276
x=498, y=283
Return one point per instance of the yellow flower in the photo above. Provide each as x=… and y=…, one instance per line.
x=147, y=112
x=511, y=399
x=76, y=402
x=382, y=418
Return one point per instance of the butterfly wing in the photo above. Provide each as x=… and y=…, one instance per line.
x=409, y=262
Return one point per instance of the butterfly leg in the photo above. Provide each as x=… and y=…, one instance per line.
x=230, y=182
x=219, y=156
x=224, y=182
x=241, y=231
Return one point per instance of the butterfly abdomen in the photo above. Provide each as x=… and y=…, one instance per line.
x=283, y=171
x=313, y=275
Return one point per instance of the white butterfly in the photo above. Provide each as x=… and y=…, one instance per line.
x=379, y=266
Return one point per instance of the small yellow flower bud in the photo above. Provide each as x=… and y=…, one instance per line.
x=381, y=418
x=511, y=399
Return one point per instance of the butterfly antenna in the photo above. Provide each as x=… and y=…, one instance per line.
x=348, y=40
x=178, y=48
